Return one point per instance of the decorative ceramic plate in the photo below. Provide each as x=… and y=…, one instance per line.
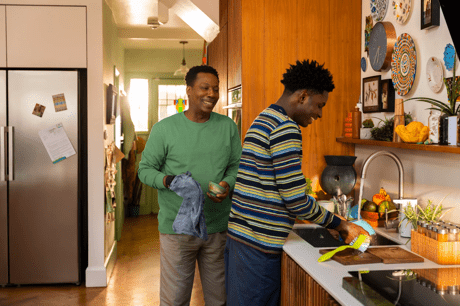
x=401, y=10
x=378, y=9
x=434, y=74
x=403, y=64
x=363, y=64
x=449, y=54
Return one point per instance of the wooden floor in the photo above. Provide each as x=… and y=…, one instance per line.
x=135, y=279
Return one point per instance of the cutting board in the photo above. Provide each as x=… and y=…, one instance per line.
x=387, y=255
x=392, y=255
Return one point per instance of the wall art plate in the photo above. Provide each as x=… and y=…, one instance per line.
x=401, y=10
x=404, y=64
x=378, y=9
x=434, y=74
x=449, y=54
x=363, y=64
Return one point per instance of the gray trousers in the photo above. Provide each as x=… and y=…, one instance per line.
x=178, y=257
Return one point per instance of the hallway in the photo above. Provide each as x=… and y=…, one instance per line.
x=134, y=281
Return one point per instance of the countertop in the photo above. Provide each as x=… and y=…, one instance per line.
x=329, y=274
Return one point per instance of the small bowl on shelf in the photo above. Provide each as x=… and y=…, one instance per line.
x=215, y=189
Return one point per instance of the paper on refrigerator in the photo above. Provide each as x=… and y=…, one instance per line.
x=57, y=143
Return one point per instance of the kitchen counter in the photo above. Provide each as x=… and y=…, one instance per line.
x=329, y=274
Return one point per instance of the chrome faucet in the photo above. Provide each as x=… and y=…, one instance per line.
x=363, y=176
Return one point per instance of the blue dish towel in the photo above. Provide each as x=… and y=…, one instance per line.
x=190, y=218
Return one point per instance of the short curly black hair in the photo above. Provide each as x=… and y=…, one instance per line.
x=308, y=75
x=190, y=77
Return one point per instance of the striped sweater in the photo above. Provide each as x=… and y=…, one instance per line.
x=270, y=186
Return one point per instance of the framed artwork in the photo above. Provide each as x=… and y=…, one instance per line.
x=387, y=96
x=449, y=84
x=430, y=14
x=111, y=106
x=371, y=94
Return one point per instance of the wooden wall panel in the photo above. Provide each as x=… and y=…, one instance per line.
x=253, y=61
x=280, y=45
x=217, y=58
x=234, y=43
x=275, y=35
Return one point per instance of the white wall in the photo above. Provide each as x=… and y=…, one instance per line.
x=428, y=175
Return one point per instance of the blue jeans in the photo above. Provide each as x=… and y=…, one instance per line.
x=252, y=277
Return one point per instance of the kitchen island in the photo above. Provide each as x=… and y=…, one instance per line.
x=329, y=274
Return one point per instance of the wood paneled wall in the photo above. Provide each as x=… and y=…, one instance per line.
x=276, y=34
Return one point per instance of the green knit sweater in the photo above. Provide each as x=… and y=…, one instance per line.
x=210, y=151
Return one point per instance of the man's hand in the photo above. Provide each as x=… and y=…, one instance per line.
x=349, y=231
x=220, y=197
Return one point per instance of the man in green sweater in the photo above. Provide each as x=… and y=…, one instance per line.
x=207, y=145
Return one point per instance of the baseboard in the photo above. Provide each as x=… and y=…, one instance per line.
x=96, y=276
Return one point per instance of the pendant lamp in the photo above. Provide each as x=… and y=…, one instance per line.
x=183, y=68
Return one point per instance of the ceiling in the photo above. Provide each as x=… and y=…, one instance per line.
x=131, y=19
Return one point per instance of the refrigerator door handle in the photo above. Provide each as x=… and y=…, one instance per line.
x=2, y=154
x=10, y=153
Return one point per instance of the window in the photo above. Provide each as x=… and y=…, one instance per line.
x=166, y=96
x=139, y=103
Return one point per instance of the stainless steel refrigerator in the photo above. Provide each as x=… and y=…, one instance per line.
x=42, y=232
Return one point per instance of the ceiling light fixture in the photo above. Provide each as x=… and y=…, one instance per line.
x=183, y=68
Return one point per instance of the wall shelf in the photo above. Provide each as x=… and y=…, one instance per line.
x=401, y=145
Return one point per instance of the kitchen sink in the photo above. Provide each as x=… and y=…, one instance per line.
x=319, y=237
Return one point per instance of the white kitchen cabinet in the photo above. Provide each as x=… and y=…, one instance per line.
x=2, y=37
x=46, y=36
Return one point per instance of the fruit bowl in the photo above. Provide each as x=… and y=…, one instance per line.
x=376, y=219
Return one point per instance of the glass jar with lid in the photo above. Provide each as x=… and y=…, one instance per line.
x=421, y=227
x=442, y=234
x=453, y=234
x=434, y=232
x=429, y=228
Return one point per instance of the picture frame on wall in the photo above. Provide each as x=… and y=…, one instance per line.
x=430, y=14
x=371, y=94
x=387, y=96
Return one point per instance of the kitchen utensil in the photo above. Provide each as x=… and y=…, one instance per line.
x=358, y=243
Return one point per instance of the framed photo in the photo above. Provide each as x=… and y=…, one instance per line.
x=111, y=106
x=371, y=94
x=387, y=96
x=430, y=14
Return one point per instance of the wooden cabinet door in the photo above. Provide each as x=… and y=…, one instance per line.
x=46, y=36
x=2, y=37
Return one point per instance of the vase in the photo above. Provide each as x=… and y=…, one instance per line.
x=433, y=125
x=443, y=129
x=365, y=133
x=452, y=130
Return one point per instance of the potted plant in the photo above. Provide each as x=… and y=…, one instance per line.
x=430, y=213
x=365, y=131
x=449, y=111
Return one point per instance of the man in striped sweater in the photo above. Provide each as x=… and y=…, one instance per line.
x=270, y=189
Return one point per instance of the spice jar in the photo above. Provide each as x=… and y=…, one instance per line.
x=429, y=228
x=442, y=233
x=434, y=232
x=421, y=228
x=453, y=234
